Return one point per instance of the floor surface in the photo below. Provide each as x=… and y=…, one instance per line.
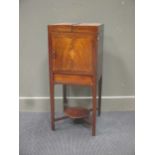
x=115, y=135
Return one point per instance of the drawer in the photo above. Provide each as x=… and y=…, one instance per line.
x=73, y=79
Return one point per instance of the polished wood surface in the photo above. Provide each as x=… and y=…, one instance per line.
x=76, y=112
x=75, y=58
x=72, y=52
x=73, y=79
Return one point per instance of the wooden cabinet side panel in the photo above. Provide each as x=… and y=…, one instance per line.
x=100, y=53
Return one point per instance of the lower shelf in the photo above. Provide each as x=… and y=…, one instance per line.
x=76, y=112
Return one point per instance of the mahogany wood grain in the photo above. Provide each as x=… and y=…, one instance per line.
x=75, y=58
x=76, y=112
x=72, y=52
x=73, y=79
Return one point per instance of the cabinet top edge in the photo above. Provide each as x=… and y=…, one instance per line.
x=75, y=24
x=79, y=27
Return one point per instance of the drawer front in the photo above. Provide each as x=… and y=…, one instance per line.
x=73, y=79
x=72, y=52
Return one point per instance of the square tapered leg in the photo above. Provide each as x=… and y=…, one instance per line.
x=52, y=104
x=99, y=95
x=65, y=96
x=94, y=110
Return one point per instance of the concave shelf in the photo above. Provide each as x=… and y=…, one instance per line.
x=76, y=112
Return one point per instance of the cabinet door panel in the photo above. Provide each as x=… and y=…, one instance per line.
x=73, y=52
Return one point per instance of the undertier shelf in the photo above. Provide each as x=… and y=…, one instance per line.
x=76, y=112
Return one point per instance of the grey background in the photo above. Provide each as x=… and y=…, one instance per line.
x=118, y=62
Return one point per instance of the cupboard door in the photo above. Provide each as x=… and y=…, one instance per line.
x=72, y=52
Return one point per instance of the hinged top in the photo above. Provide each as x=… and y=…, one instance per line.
x=82, y=24
x=76, y=27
